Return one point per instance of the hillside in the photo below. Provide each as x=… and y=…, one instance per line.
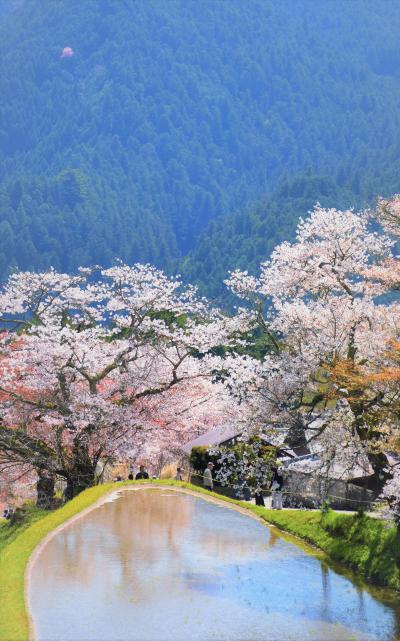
x=165, y=116
x=245, y=238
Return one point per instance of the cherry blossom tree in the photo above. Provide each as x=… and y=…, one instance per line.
x=85, y=358
x=182, y=414
x=247, y=463
x=391, y=492
x=109, y=363
x=374, y=387
x=387, y=271
x=317, y=302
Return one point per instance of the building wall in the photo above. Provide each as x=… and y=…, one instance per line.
x=312, y=490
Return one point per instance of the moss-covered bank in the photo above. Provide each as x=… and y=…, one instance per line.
x=364, y=544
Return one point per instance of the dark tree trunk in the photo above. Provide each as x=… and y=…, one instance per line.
x=78, y=481
x=82, y=473
x=377, y=460
x=45, y=491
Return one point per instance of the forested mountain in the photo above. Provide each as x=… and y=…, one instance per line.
x=245, y=238
x=162, y=116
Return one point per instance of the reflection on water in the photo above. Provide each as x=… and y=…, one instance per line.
x=162, y=566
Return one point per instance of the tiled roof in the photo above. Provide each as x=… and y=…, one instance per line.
x=213, y=437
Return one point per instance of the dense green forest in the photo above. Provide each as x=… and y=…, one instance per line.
x=245, y=238
x=169, y=116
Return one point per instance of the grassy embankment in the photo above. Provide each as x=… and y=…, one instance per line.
x=366, y=545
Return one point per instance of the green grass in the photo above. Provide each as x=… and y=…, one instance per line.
x=28, y=515
x=362, y=543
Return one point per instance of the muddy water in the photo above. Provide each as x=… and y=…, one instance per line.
x=157, y=565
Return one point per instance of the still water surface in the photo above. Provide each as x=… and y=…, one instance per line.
x=157, y=565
